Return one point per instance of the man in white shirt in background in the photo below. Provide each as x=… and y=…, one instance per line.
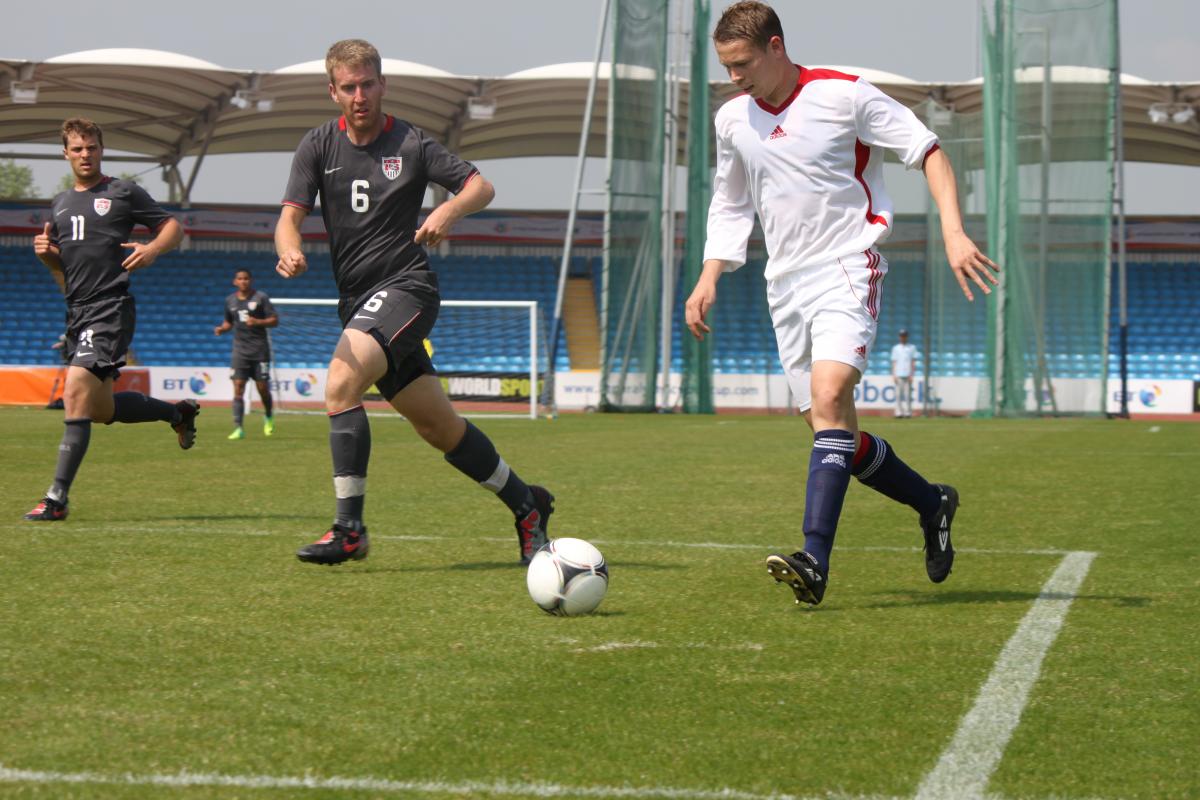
x=904, y=360
x=803, y=150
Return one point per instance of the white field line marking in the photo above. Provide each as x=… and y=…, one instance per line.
x=192, y=525
x=638, y=644
x=464, y=788
x=967, y=763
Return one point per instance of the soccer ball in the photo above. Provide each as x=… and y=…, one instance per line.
x=567, y=577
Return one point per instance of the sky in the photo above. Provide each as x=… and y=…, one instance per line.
x=934, y=40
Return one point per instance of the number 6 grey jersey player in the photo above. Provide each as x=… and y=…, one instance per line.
x=87, y=250
x=371, y=171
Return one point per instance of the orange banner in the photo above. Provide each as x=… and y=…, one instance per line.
x=41, y=385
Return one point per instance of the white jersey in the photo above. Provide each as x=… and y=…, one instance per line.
x=812, y=169
x=903, y=358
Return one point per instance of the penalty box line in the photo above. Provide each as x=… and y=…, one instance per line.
x=966, y=765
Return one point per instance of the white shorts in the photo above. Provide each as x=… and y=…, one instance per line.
x=826, y=313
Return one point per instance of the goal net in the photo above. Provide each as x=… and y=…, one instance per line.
x=489, y=354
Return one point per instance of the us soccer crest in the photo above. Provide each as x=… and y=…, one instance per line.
x=253, y=304
x=392, y=166
x=102, y=205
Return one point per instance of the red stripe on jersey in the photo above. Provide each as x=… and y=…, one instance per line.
x=404, y=327
x=342, y=123
x=862, y=155
x=930, y=152
x=474, y=174
x=805, y=77
x=294, y=204
x=389, y=123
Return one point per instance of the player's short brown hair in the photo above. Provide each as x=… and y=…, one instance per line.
x=352, y=53
x=81, y=127
x=748, y=20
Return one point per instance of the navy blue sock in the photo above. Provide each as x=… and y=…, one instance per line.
x=475, y=456
x=350, y=445
x=877, y=465
x=77, y=434
x=828, y=478
x=136, y=407
x=239, y=411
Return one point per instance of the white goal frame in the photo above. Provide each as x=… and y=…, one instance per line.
x=530, y=305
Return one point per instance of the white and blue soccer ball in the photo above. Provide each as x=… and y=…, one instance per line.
x=567, y=577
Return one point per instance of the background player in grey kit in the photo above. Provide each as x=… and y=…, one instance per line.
x=249, y=314
x=371, y=171
x=87, y=250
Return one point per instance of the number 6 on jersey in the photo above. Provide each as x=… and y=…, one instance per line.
x=359, y=201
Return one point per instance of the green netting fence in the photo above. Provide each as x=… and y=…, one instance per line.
x=632, y=283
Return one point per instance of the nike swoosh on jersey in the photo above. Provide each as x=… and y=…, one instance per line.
x=61, y=211
x=335, y=169
x=361, y=316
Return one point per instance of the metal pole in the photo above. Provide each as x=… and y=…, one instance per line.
x=606, y=244
x=668, y=223
x=569, y=239
x=1119, y=198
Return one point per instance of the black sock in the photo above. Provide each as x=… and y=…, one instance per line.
x=76, y=435
x=131, y=407
x=828, y=478
x=268, y=404
x=475, y=456
x=877, y=465
x=239, y=411
x=350, y=445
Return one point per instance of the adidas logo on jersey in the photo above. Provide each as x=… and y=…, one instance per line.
x=778, y=133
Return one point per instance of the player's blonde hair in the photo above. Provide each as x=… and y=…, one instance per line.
x=750, y=21
x=81, y=126
x=352, y=53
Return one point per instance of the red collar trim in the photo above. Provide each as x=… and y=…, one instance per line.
x=776, y=110
x=389, y=122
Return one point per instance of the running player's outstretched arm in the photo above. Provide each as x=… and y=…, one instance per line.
x=475, y=196
x=288, y=242
x=167, y=237
x=965, y=258
x=730, y=221
x=881, y=121
x=47, y=252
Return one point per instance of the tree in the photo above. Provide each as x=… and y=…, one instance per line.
x=16, y=181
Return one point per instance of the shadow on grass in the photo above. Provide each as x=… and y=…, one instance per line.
x=214, y=518
x=484, y=566
x=909, y=599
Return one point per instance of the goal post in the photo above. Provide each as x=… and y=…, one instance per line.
x=488, y=353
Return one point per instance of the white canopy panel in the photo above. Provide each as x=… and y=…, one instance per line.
x=166, y=106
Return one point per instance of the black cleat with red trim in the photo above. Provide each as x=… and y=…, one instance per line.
x=186, y=427
x=339, y=544
x=47, y=510
x=531, y=528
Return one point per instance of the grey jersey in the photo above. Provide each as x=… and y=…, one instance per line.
x=249, y=344
x=89, y=228
x=371, y=197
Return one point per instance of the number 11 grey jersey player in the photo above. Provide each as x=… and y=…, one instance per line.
x=370, y=171
x=87, y=250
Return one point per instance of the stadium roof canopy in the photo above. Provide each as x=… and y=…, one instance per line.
x=163, y=107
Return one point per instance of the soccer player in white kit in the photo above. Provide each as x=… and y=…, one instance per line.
x=904, y=361
x=803, y=149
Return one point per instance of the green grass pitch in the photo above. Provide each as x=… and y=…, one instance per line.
x=166, y=629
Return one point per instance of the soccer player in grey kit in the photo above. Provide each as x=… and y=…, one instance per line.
x=86, y=247
x=371, y=171
x=249, y=313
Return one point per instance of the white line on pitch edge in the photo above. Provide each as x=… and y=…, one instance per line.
x=967, y=763
x=464, y=788
x=986, y=551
